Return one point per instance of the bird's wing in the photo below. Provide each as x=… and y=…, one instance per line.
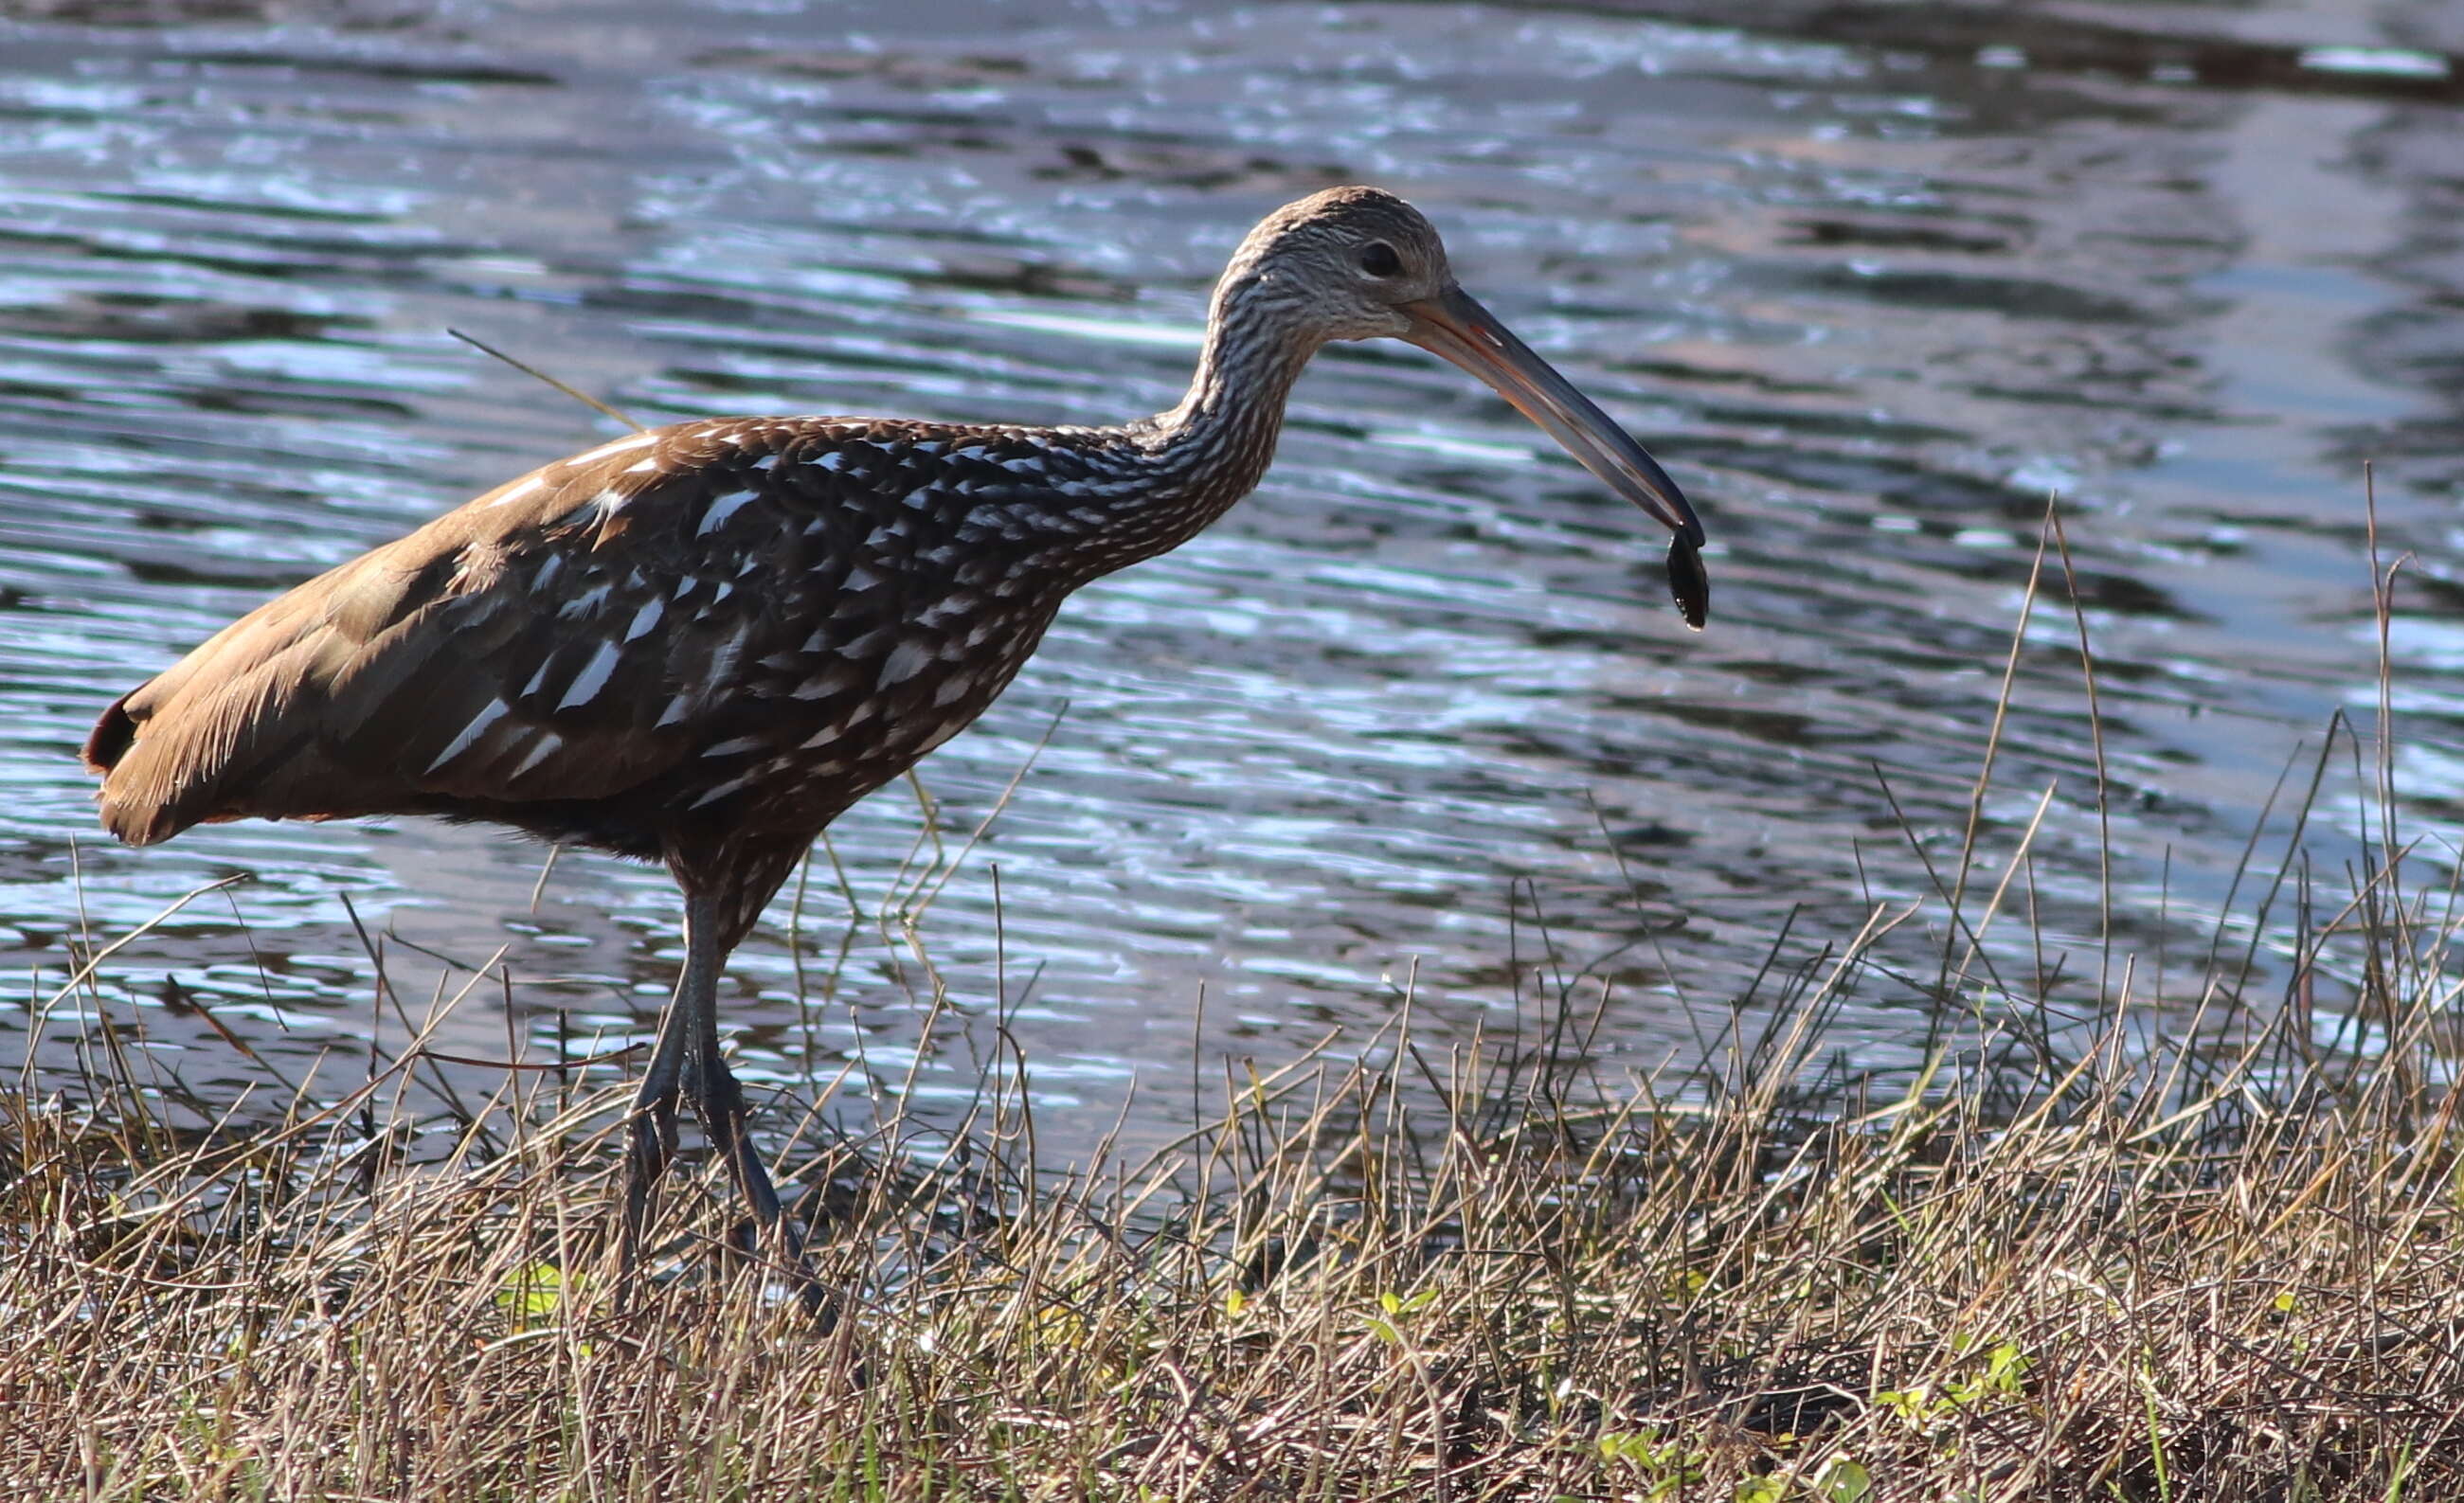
x=558, y=639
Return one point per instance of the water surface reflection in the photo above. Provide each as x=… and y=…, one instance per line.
x=1873, y=280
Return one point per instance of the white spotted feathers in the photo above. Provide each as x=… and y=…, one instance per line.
x=715, y=632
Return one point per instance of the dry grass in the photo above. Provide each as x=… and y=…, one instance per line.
x=2197, y=1247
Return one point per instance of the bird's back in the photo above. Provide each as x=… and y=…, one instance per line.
x=741, y=621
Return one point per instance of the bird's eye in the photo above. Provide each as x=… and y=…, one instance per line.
x=1379, y=259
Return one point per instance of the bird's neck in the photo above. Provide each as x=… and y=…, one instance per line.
x=1223, y=433
x=1164, y=478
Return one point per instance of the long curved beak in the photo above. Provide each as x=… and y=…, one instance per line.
x=1454, y=325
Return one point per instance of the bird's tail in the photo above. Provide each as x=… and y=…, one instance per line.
x=110, y=739
x=184, y=749
x=136, y=820
x=138, y=803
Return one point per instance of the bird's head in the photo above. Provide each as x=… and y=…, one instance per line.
x=1357, y=263
x=1345, y=264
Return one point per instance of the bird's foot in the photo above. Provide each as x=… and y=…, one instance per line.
x=774, y=1235
x=651, y=1146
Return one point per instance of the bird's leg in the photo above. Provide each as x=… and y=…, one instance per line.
x=652, y=1125
x=718, y=1099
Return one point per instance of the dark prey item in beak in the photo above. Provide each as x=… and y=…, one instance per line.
x=1689, y=581
x=1456, y=326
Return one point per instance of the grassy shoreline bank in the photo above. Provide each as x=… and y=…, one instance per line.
x=2086, y=1284
x=2195, y=1240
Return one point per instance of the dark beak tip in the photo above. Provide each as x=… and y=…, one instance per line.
x=1455, y=326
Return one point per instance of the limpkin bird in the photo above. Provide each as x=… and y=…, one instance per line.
x=700, y=644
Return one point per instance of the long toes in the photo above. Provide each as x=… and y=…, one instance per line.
x=651, y=1147
x=724, y=1116
x=754, y=1180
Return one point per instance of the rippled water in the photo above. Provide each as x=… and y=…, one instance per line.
x=1873, y=281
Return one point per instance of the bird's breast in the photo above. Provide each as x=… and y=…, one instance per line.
x=815, y=727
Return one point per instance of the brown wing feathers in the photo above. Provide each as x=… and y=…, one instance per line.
x=719, y=630
x=481, y=657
